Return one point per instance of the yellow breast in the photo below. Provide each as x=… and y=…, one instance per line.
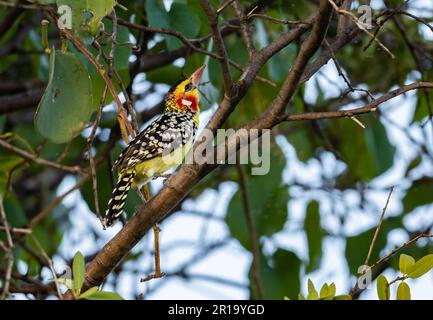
x=146, y=170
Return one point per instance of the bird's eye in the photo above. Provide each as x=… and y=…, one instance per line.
x=188, y=86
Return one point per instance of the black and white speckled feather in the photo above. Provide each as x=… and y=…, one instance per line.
x=170, y=131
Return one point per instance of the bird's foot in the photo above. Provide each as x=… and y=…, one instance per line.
x=165, y=176
x=158, y=274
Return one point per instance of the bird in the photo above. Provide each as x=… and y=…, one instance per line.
x=161, y=146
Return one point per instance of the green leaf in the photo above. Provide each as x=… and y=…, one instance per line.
x=327, y=292
x=331, y=291
x=403, y=291
x=312, y=292
x=165, y=74
x=184, y=20
x=324, y=290
x=89, y=292
x=406, y=263
x=422, y=108
x=14, y=212
x=105, y=295
x=180, y=18
x=368, y=153
x=66, y=105
x=78, y=270
x=419, y=194
x=383, y=291
x=300, y=297
x=267, y=199
x=87, y=15
x=421, y=267
x=314, y=236
x=279, y=275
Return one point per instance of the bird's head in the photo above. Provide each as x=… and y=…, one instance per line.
x=184, y=95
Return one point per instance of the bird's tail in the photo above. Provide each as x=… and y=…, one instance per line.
x=118, y=198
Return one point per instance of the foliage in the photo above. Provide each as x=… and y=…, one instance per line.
x=409, y=269
x=76, y=283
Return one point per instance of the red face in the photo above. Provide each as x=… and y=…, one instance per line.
x=188, y=101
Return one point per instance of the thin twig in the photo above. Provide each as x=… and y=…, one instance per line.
x=223, y=6
x=35, y=158
x=376, y=233
x=17, y=230
x=8, y=248
x=361, y=27
x=125, y=126
x=191, y=44
x=246, y=32
x=219, y=46
x=276, y=20
x=50, y=264
x=90, y=153
x=370, y=107
x=251, y=233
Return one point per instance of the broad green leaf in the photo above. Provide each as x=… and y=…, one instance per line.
x=279, y=65
x=78, y=271
x=166, y=75
x=403, y=291
x=421, y=267
x=379, y=146
x=87, y=15
x=300, y=297
x=279, y=275
x=419, y=194
x=89, y=293
x=303, y=139
x=184, y=20
x=406, y=263
x=267, y=199
x=14, y=211
x=314, y=236
x=422, y=107
x=104, y=295
x=368, y=153
x=66, y=105
x=383, y=291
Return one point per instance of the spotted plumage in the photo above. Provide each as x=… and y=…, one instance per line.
x=159, y=147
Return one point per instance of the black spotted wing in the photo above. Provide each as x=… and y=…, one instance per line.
x=167, y=133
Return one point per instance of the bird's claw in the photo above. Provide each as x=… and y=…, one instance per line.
x=165, y=176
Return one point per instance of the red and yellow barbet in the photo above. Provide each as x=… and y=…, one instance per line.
x=160, y=146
